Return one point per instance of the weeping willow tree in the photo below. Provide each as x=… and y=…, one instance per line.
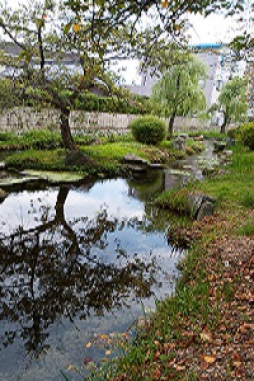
x=233, y=101
x=178, y=92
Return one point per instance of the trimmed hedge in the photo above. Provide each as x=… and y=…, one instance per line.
x=247, y=135
x=148, y=129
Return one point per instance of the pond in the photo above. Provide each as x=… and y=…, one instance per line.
x=78, y=263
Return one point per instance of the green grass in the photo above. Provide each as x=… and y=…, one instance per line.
x=107, y=157
x=247, y=228
x=37, y=139
x=174, y=200
x=34, y=159
x=214, y=134
x=234, y=189
x=113, y=151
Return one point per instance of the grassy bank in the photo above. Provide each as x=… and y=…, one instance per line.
x=205, y=331
x=42, y=150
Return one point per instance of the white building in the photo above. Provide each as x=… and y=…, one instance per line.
x=221, y=67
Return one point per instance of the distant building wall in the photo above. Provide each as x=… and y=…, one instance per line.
x=19, y=120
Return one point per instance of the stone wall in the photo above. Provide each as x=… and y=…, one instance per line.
x=23, y=119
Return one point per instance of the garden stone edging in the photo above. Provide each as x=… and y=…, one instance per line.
x=135, y=164
x=133, y=159
x=201, y=205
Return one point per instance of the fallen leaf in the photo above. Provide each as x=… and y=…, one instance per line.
x=70, y=367
x=165, y=3
x=237, y=364
x=206, y=336
x=156, y=374
x=210, y=359
x=89, y=344
x=87, y=360
x=180, y=367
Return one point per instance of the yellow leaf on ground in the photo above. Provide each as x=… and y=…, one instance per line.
x=206, y=336
x=89, y=344
x=209, y=359
x=165, y=4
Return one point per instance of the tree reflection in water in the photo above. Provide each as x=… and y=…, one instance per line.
x=49, y=271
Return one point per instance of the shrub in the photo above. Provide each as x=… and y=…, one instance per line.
x=41, y=139
x=234, y=132
x=6, y=136
x=247, y=135
x=148, y=129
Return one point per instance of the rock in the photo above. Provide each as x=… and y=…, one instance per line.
x=135, y=168
x=2, y=165
x=208, y=171
x=183, y=135
x=195, y=202
x=179, y=144
x=207, y=163
x=219, y=146
x=135, y=164
x=228, y=153
x=178, y=172
x=199, y=138
x=135, y=160
x=206, y=210
x=201, y=205
x=156, y=166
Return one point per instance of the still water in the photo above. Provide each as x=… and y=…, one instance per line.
x=78, y=263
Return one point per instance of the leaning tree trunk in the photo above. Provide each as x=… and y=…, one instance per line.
x=171, y=125
x=67, y=138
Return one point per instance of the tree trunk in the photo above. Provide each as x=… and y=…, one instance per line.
x=223, y=126
x=67, y=138
x=171, y=125
x=59, y=207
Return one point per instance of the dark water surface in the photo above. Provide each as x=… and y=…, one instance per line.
x=77, y=263
x=82, y=263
